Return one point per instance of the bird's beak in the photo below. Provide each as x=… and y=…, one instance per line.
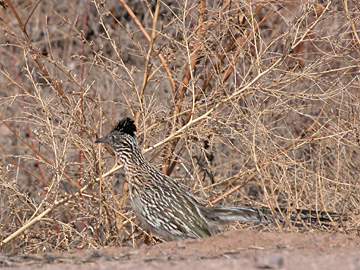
x=101, y=140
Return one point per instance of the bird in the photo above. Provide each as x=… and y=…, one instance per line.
x=166, y=207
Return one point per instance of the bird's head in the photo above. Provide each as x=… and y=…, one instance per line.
x=122, y=137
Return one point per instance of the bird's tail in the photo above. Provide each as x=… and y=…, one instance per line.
x=220, y=214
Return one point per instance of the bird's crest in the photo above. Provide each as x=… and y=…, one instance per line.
x=126, y=125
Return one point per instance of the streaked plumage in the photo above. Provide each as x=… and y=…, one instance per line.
x=164, y=206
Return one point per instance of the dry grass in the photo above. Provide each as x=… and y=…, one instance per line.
x=253, y=103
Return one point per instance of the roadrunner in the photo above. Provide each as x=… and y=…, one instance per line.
x=166, y=207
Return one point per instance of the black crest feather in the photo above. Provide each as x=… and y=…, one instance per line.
x=126, y=125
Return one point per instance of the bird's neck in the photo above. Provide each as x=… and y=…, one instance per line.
x=132, y=161
x=136, y=168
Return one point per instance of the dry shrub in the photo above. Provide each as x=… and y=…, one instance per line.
x=245, y=102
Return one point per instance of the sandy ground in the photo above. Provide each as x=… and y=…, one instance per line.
x=244, y=249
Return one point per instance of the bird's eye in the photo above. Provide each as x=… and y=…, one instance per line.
x=114, y=137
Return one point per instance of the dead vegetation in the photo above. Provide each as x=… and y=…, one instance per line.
x=253, y=103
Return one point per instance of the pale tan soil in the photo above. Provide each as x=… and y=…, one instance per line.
x=244, y=249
